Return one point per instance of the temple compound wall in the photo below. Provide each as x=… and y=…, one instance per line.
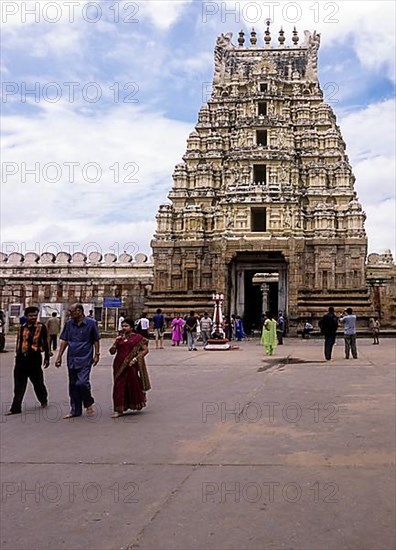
x=263, y=207
x=50, y=281
x=54, y=282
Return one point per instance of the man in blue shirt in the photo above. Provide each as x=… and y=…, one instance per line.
x=81, y=336
x=349, y=322
x=159, y=328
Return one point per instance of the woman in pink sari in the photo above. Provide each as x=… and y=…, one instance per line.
x=177, y=330
x=131, y=379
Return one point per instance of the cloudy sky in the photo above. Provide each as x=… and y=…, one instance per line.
x=98, y=99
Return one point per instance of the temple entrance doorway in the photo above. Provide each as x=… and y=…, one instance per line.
x=258, y=283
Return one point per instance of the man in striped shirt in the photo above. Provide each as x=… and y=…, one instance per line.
x=32, y=341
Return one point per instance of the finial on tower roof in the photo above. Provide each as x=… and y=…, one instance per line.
x=267, y=34
x=295, y=37
x=241, y=39
x=253, y=37
x=281, y=38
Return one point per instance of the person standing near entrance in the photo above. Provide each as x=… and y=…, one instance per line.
x=32, y=341
x=375, y=328
x=239, y=330
x=119, y=324
x=81, y=336
x=268, y=336
x=328, y=325
x=143, y=326
x=280, y=328
x=191, y=327
x=206, y=328
x=349, y=322
x=159, y=328
x=53, y=328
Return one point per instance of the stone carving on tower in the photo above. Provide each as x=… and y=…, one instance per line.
x=265, y=186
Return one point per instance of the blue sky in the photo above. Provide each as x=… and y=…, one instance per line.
x=116, y=101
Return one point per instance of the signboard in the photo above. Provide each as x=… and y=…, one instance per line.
x=47, y=310
x=15, y=310
x=112, y=302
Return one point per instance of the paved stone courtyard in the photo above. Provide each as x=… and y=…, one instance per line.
x=233, y=452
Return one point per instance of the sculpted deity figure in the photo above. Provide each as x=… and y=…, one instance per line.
x=281, y=138
x=283, y=174
x=270, y=108
x=287, y=219
x=312, y=41
x=221, y=54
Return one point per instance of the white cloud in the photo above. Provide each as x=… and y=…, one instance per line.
x=380, y=225
x=370, y=137
x=370, y=131
x=62, y=210
x=163, y=13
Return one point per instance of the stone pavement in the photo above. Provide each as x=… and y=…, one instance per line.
x=234, y=451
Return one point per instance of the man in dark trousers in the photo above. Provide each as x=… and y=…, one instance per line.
x=32, y=341
x=53, y=327
x=81, y=336
x=328, y=327
x=191, y=327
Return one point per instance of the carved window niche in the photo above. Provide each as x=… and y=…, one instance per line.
x=262, y=108
x=206, y=281
x=35, y=293
x=59, y=291
x=258, y=220
x=190, y=279
x=262, y=138
x=325, y=281
x=176, y=282
x=341, y=281
x=260, y=174
x=162, y=280
x=263, y=87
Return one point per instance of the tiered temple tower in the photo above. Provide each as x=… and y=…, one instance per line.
x=263, y=207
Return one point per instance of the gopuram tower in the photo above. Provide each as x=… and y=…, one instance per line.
x=263, y=207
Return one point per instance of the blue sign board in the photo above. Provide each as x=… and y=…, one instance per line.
x=112, y=302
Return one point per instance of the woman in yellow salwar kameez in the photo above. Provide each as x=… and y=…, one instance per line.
x=268, y=336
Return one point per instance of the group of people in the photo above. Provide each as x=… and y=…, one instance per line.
x=81, y=338
x=328, y=326
x=189, y=329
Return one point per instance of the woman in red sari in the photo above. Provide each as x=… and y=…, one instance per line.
x=131, y=379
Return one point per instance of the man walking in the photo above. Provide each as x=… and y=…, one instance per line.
x=349, y=322
x=206, y=328
x=191, y=327
x=328, y=326
x=280, y=328
x=80, y=335
x=32, y=341
x=375, y=328
x=159, y=328
x=53, y=328
x=143, y=326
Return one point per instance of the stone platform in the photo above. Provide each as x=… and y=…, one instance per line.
x=234, y=451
